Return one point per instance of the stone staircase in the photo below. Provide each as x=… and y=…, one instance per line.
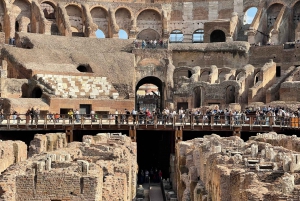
x=67, y=86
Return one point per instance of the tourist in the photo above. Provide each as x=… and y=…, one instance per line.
x=147, y=176
x=32, y=115
x=27, y=115
x=116, y=117
x=14, y=115
x=37, y=115
x=70, y=116
x=50, y=117
x=133, y=113
x=57, y=117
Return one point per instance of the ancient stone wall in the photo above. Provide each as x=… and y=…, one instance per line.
x=102, y=167
x=216, y=168
x=11, y=152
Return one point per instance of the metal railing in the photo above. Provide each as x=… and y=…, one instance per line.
x=10, y=120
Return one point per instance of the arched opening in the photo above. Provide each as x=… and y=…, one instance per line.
x=230, y=94
x=149, y=21
x=99, y=34
x=100, y=18
x=204, y=76
x=198, y=36
x=217, y=36
x=249, y=15
x=198, y=97
x=1, y=27
x=256, y=78
x=296, y=19
x=148, y=34
x=17, y=26
x=76, y=20
x=29, y=28
x=37, y=92
x=149, y=94
x=176, y=36
x=123, y=34
x=48, y=10
x=22, y=12
x=123, y=20
x=24, y=89
x=181, y=74
x=84, y=69
x=272, y=14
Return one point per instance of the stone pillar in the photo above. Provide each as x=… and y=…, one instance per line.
x=132, y=134
x=69, y=133
x=178, y=135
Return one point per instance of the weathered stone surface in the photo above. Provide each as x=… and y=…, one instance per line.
x=260, y=168
x=102, y=167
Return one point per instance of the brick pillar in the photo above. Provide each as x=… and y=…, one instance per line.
x=69, y=133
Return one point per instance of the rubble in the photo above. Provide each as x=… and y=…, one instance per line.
x=102, y=167
x=266, y=167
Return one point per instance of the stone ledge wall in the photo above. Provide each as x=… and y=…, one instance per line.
x=11, y=152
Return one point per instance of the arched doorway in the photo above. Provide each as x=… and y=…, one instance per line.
x=230, y=94
x=148, y=34
x=198, y=97
x=153, y=96
x=176, y=36
x=249, y=15
x=198, y=36
x=37, y=92
x=217, y=36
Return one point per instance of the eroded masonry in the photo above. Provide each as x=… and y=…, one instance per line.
x=101, y=167
x=210, y=54
x=266, y=167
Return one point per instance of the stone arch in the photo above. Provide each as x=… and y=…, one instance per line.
x=199, y=92
x=257, y=78
x=84, y=68
x=2, y=14
x=37, y=92
x=155, y=81
x=246, y=19
x=100, y=17
x=198, y=36
x=295, y=32
x=230, y=94
x=24, y=89
x=148, y=34
x=176, y=36
x=272, y=12
x=49, y=10
x=149, y=19
x=124, y=18
x=22, y=14
x=217, y=36
x=204, y=76
x=182, y=72
x=75, y=17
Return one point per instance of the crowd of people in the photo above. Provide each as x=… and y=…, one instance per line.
x=150, y=44
x=264, y=115
x=153, y=175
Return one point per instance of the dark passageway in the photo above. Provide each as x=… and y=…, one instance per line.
x=153, y=150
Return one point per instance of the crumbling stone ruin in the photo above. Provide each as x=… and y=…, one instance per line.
x=210, y=54
x=102, y=167
x=12, y=152
x=266, y=167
